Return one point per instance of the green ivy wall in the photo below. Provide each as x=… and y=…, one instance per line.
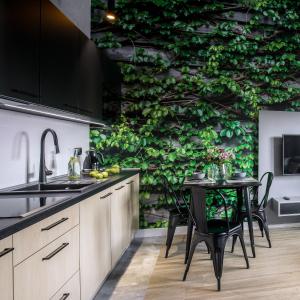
x=196, y=74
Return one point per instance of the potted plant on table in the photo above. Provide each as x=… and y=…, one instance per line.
x=220, y=158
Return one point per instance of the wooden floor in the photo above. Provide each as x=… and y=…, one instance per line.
x=273, y=274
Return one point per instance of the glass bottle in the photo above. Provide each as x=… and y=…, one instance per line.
x=74, y=168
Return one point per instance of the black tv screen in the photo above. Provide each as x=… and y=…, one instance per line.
x=291, y=154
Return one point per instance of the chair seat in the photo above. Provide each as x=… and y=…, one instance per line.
x=183, y=210
x=219, y=227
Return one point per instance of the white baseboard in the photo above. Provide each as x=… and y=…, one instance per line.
x=181, y=230
x=286, y=225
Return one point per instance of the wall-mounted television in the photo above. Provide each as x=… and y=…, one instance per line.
x=291, y=154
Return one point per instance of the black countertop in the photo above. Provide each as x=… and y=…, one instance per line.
x=9, y=226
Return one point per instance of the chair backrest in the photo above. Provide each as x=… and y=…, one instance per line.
x=198, y=210
x=169, y=192
x=268, y=176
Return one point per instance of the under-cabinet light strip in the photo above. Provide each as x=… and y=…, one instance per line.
x=32, y=110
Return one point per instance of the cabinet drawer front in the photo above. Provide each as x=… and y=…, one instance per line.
x=6, y=269
x=119, y=186
x=70, y=291
x=44, y=273
x=28, y=241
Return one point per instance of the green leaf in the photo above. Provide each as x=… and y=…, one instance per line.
x=229, y=133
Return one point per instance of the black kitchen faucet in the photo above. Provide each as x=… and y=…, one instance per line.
x=43, y=169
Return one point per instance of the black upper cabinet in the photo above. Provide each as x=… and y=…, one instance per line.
x=46, y=59
x=111, y=95
x=71, y=74
x=90, y=79
x=60, y=49
x=19, y=49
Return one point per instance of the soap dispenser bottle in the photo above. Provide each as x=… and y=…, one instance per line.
x=74, y=167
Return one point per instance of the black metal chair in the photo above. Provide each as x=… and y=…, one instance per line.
x=215, y=234
x=178, y=212
x=258, y=208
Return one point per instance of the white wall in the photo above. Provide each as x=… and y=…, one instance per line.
x=20, y=136
x=272, y=125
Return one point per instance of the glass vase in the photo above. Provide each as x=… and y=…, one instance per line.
x=222, y=173
x=212, y=172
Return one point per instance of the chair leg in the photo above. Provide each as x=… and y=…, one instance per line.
x=195, y=242
x=261, y=227
x=241, y=237
x=188, y=239
x=208, y=251
x=266, y=228
x=262, y=218
x=173, y=221
x=234, y=238
x=219, y=284
x=218, y=257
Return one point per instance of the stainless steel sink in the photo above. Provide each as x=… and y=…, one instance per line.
x=47, y=188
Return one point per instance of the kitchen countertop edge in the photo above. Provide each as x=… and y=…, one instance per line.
x=9, y=226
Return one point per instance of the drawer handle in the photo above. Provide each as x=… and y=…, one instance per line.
x=6, y=251
x=119, y=188
x=49, y=256
x=65, y=296
x=105, y=196
x=130, y=182
x=54, y=224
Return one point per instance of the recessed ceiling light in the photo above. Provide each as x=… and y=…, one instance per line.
x=110, y=16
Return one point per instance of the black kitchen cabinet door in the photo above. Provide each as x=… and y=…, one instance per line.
x=60, y=49
x=90, y=79
x=111, y=96
x=19, y=49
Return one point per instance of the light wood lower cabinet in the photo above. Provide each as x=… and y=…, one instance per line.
x=124, y=215
x=69, y=255
x=70, y=291
x=118, y=210
x=133, y=206
x=135, y=192
x=6, y=269
x=41, y=275
x=95, y=248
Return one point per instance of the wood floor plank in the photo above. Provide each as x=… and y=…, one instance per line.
x=274, y=274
